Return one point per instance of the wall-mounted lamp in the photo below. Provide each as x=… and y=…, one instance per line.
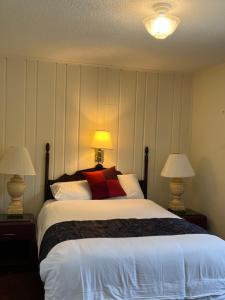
x=102, y=140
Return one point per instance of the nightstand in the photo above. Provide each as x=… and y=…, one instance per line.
x=17, y=242
x=192, y=217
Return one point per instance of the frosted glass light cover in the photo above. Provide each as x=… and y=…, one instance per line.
x=16, y=160
x=102, y=140
x=161, y=26
x=177, y=166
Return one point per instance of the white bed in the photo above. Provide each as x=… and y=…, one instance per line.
x=155, y=267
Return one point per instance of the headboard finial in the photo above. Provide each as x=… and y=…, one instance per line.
x=47, y=147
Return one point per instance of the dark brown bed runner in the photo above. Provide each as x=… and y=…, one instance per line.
x=116, y=228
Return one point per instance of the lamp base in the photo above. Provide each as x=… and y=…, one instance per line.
x=16, y=187
x=15, y=207
x=176, y=189
x=99, y=156
x=176, y=205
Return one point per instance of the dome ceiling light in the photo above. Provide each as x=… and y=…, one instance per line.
x=161, y=25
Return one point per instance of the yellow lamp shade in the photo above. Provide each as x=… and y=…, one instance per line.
x=102, y=140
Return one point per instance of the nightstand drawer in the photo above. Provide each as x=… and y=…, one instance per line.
x=14, y=232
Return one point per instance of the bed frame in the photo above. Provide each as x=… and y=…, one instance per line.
x=79, y=176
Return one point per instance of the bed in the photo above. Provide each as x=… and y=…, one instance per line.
x=120, y=249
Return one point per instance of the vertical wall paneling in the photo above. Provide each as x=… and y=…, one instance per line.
x=102, y=93
x=72, y=118
x=15, y=102
x=112, y=113
x=60, y=104
x=176, y=118
x=186, y=107
x=163, y=132
x=2, y=122
x=88, y=114
x=64, y=104
x=45, y=121
x=30, y=128
x=15, y=106
x=127, y=120
x=150, y=126
x=139, y=124
x=107, y=118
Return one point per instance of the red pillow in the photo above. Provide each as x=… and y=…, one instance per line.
x=103, y=184
x=110, y=173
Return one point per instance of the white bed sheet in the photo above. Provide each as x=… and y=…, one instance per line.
x=150, y=268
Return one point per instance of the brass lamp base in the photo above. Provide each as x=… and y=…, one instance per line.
x=16, y=187
x=176, y=189
x=99, y=156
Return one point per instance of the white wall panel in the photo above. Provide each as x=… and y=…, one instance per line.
x=60, y=117
x=64, y=104
x=15, y=106
x=185, y=115
x=176, y=119
x=88, y=114
x=45, y=123
x=139, y=124
x=108, y=109
x=15, y=102
x=72, y=118
x=163, y=132
x=150, y=127
x=2, y=124
x=128, y=87
x=30, y=128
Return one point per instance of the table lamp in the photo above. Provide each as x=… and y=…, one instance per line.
x=102, y=140
x=177, y=167
x=16, y=161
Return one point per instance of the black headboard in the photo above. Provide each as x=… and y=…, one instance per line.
x=79, y=176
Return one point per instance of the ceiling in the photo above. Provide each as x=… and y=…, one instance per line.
x=111, y=33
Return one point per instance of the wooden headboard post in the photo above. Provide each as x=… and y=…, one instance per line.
x=145, y=181
x=47, y=149
x=78, y=175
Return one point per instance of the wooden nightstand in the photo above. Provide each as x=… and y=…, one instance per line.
x=17, y=242
x=192, y=217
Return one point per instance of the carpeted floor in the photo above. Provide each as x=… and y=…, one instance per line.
x=20, y=285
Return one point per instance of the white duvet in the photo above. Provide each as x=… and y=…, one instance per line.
x=160, y=267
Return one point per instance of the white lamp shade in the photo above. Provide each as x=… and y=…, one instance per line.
x=177, y=166
x=102, y=140
x=17, y=161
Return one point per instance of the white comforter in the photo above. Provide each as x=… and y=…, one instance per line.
x=161, y=267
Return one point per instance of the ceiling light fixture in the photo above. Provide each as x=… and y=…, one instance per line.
x=161, y=25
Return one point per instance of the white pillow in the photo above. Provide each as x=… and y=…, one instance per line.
x=71, y=190
x=131, y=186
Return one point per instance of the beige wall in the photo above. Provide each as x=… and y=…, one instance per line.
x=208, y=146
x=63, y=104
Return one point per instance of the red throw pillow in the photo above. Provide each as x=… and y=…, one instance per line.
x=104, y=184
x=110, y=173
x=114, y=188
